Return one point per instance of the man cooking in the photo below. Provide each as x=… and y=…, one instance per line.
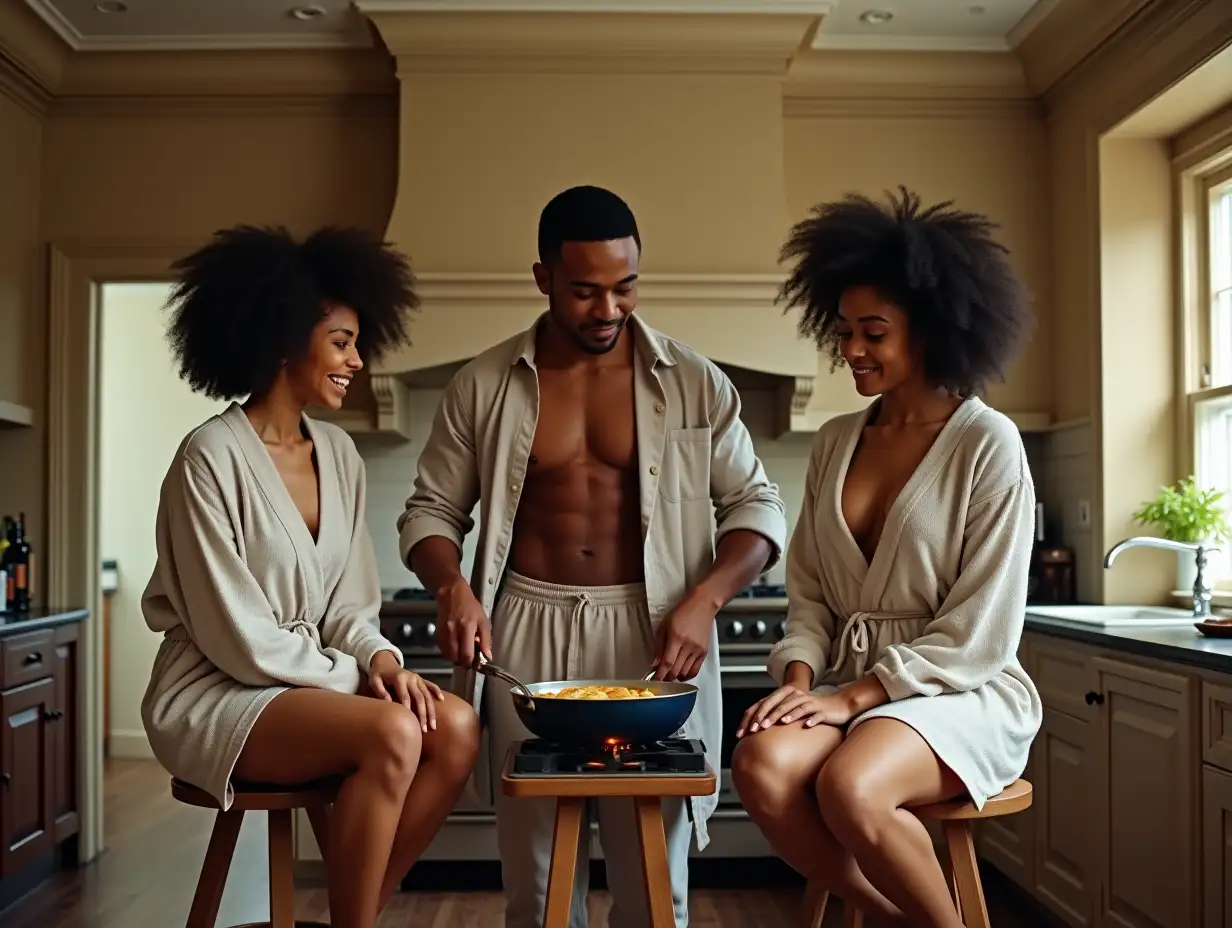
x=596, y=448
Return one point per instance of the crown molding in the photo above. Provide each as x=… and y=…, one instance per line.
x=537, y=41
x=22, y=87
x=855, y=107
x=906, y=76
x=198, y=107
x=358, y=36
x=1055, y=42
x=218, y=74
x=909, y=43
x=812, y=8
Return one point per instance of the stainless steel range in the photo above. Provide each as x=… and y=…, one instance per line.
x=748, y=627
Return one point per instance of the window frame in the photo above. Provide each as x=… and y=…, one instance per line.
x=1199, y=186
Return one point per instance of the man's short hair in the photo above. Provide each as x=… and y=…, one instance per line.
x=584, y=214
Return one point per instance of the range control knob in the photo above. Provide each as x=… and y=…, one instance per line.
x=782, y=628
x=759, y=629
x=430, y=631
x=735, y=629
x=408, y=631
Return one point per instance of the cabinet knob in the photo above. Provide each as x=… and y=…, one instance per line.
x=4, y=779
x=34, y=657
x=1094, y=699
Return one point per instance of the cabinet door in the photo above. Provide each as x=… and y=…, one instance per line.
x=1066, y=875
x=25, y=749
x=62, y=731
x=1148, y=770
x=1216, y=848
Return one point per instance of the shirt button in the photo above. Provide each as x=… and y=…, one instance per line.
x=659, y=407
x=490, y=581
x=654, y=470
x=513, y=487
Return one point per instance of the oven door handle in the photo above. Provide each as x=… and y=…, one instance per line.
x=742, y=668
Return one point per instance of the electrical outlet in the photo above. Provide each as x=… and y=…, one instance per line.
x=1084, y=513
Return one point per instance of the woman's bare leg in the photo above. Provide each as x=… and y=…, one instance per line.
x=444, y=766
x=882, y=766
x=774, y=772
x=305, y=734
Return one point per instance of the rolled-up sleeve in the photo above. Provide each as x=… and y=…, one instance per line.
x=744, y=497
x=447, y=482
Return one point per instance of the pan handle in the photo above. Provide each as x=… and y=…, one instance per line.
x=485, y=666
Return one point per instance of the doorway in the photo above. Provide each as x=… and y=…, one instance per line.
x=144, y=411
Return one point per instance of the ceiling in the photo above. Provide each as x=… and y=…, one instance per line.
x=86, y=25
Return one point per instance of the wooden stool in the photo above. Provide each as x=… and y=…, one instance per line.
x=280, y=803
x=955, y=816
x=571, y=793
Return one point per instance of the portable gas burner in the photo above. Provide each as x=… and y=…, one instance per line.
x=673, y=757
x=644, y=773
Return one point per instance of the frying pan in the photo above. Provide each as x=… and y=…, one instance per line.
x=598, y=722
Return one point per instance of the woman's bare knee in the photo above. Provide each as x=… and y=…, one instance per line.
x=454, y=743
x=850, y=805
x=392, y=745
x=770, y=768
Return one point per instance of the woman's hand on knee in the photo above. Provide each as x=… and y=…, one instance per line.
x=389, y=681
x=788, y=704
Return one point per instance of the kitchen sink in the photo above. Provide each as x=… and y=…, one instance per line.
x=1115, y=615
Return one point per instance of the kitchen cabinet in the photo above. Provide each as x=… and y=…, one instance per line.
x=1125, y=819
x=38, y=744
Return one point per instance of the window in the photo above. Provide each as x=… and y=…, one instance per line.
x=1211, y=402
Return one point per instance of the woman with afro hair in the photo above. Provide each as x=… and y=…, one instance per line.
x=907, y=569
x=272, y=667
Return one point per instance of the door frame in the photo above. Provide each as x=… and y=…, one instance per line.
x=77, y=272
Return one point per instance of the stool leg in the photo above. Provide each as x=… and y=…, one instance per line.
x=214, y=868
x=852, y=917
x=655, y=868
x=569, y=811
x=813, y=911
x=281, y=876
x=318, y=818
x=966, y=874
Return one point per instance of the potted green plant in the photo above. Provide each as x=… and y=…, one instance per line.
x=1186, y=512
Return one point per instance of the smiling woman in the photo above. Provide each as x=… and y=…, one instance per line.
x=272, y=667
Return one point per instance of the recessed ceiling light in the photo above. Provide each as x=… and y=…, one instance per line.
x=305, y=13
x=111, y=6
x=876, y=17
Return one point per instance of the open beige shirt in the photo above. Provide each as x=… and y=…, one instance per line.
x=700, y=478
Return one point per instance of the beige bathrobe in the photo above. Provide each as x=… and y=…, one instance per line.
x=249, y=603
x=938, y=613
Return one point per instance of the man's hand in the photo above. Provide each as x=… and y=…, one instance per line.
x=683, y=639
x=459, y=621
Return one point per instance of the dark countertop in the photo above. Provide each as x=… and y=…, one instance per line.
x=1180, y=644
x=14, y=623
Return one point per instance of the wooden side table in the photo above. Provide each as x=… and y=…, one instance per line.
x=571, y=792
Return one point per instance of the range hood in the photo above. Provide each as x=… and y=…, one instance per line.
x=502, y=105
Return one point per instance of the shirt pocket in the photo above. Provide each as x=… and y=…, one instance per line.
x=686, y=465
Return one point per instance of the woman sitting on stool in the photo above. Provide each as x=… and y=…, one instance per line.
x=273, y=668
x=907, y=569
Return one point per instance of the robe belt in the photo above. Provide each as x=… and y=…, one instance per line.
x=308, y=625
x=855, y=635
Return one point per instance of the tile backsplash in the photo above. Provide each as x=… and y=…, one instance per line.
x=1060, y=462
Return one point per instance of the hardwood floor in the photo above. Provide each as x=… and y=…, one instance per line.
x=156, y=845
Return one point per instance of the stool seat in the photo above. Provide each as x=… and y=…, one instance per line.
x=962, y=872
x=279, y=803
x=1014, y=798
x=262, y=797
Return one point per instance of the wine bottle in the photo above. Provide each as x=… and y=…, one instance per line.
x=18, y=566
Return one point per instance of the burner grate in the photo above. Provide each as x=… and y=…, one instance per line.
x=671, y=757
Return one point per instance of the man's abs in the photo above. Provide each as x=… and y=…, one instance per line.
x=579, y=519
x=580, y=526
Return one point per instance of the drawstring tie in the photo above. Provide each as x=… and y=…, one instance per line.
x=573, y=661
x=855, y=636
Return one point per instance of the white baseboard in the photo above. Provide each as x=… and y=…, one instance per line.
x=130, y=745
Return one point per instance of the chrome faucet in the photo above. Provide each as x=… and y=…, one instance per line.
x=1201, y=592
